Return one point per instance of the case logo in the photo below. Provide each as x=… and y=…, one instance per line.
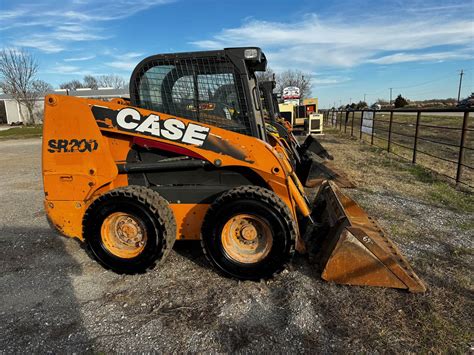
x=129, y=119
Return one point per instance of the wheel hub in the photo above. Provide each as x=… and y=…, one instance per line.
x=128, y=231
x=247, y=238
x=123, y=235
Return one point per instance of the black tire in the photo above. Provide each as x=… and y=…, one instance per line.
x=256, y=201
x=152, y=213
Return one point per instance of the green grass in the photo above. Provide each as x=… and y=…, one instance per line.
x=22, y=132
x=421, y=174
x=445, y=195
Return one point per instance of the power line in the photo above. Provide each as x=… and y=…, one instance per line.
x=421, y=84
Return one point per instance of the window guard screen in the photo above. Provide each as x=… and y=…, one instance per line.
x=207, y=90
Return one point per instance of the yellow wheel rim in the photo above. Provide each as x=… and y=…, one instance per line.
x=246, y=238
x=123, y=235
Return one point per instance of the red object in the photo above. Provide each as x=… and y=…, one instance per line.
x=148, y=143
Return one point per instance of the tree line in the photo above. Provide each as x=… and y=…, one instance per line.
x=18, y=78
x=95, y=82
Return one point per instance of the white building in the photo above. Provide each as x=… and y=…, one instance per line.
x=14, y=115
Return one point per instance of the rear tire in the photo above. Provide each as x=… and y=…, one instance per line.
x=248, y=233
x=129, y=229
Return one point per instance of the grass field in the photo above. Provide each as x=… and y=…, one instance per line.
x=22, y=132
x=438, y=141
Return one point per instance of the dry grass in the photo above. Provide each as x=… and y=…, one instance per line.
x=433, y=224
x=442, y=142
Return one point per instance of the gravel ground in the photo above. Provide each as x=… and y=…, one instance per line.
x=56, y=299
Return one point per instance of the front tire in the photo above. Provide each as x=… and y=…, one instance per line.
x=129, y=229
x=248, y=233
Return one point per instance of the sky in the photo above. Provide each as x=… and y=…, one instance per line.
x=349, y=48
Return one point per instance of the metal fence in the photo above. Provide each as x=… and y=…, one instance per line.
x=440, y=140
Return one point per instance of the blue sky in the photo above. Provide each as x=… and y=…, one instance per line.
x=350, y=48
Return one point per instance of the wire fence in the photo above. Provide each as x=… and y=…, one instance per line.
x=440, y=140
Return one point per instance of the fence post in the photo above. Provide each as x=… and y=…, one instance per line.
x=373, y=129
x=345, y=122
x=352, y=124
x=361, y=121
x=416, y=136
x=340, y=121
x=390, y=132
x=461, y=147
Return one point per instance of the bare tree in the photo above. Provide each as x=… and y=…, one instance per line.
x=41, y=87
x=268, y=75
x=71, y=85
x=294, y=78
x=91, y=82
x=18, y=69
x=112, y=81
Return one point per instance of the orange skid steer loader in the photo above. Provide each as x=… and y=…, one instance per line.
x=311, y=171
x=187, y=158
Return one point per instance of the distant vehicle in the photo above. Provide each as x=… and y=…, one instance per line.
x=377, y=107
x=466, y=103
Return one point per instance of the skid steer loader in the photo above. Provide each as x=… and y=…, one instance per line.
x=187, y=157
x=311, y=169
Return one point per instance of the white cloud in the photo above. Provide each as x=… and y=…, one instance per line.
x=419, y=57
x=320, y=80
x=79, y=59
x=125, y=61
x=123, y=65
x=315, y=42
x=66, y=69
x=54, y=27
x=42, y=44
x=71, y=70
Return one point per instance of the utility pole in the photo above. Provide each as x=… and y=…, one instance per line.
x=460, y=84
x=391, y=96
x=364, y=97
x=350, y=101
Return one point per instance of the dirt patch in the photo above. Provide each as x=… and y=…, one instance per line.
x=56, y=299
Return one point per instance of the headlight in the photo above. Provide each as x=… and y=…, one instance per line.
x=250, y=53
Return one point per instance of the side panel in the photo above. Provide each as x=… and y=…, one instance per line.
x=83, y=143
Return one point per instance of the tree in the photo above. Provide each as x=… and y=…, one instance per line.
x=361, y=105
x=267, y=75
x=41, y=87
x=18, y=70
x=112, y=81
x=91, y=82
x=295, y=78
x=72, y=85
x=400, y=101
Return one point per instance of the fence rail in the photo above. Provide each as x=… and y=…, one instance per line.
x=440, y=140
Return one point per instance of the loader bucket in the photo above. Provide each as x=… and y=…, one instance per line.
x=311, y=144
x=312, y=171
x=354, y=249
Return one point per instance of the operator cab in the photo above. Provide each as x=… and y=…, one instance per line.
x=213, y=87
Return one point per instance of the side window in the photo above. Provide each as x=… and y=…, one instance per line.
x=183, y=90
x=199, y=90
x=150, y=91
x=218, y=100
